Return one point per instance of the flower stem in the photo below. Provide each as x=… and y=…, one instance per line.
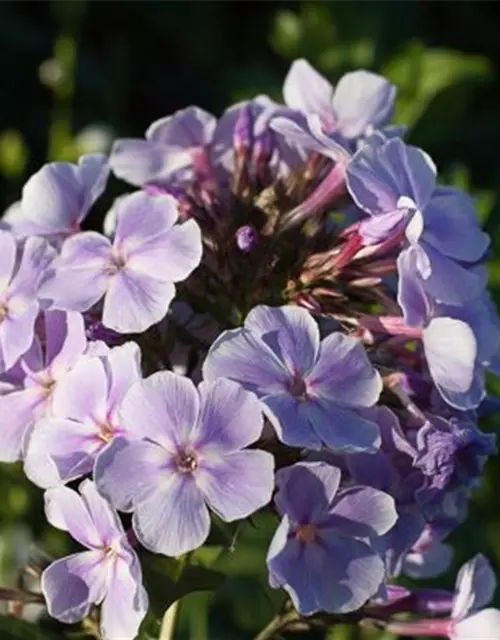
x=278, y=623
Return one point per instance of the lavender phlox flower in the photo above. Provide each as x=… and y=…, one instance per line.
x=428, y=557
x=474, y=588
x=451, y=454
x=395, y=184
x=185, y=453
x=108, y=574
x=58, y=197
x=458, y=342
x=84, y=417
x=22, y=267
x=321, y=553
x=360, y=103
x=174, y=150
x=310, y=389
x=37, y=376
x=135, y=273
x=391, y=469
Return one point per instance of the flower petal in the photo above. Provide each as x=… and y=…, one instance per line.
x=230, y=417
x=126, y=601
x=450, y=349
x=58, y=451
x=306, y=490
x=290, y=421
x=474, y=587
x=128, y=473
x=362, y=98
x=136, y=301
x=307, y=90
x=21, y=407
x=71, y=585
x=174, y=520
x=82, y=393
x=244, y=358
x=342, y=429
x=66, y=510
x=237, y=484
x=8, y=251
x=164, y=408
x=364, y=513
x=343, y=373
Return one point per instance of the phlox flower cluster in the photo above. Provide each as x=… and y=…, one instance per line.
x=288, y=314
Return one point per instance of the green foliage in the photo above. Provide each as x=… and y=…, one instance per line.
x=14, y=629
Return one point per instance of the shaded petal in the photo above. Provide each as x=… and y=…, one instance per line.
x=474, y=587
x=126, y=601
x=243, y=357
x=128, y=473
x=411, y=295
x=290, y=421
x=17, y=330
x=307, y=90
x=428, y=564
x=59, y=451
x=140, y=218
x=230, y=417
x=175, y=253
x=134, y=302
x=237, y=484
x=448, y=281
x=66, y=510
x=65, y=339
x=94, y=173
x=71, y=585
x=80, y=277
x=52, y=199
x=175, y=519
x=344, y=373
x=82, y=393
x=362, y=98
x=164, y=408
x=20, y=407
x=306, y=490
x=8, y=250
x=342, y=429
x=363, y=512
x=123, y=367
x=141, y=161
x=288, y=569
x=352, y=566
x=296, y=339
x=449, y=219
x=105, y=519
x=189, y=127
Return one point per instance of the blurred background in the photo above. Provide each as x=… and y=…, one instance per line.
x=76, y=74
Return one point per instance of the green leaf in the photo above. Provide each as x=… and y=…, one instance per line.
x=421, y=73
x=15, y=629
x=168, y=579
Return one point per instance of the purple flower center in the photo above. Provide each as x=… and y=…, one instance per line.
x=106, y=431
x=305, y=533
x=116, y=263
x=4, y=310
x=298, y=388
x=186, y=461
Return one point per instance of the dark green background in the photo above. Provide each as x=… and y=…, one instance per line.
x=125, y=64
